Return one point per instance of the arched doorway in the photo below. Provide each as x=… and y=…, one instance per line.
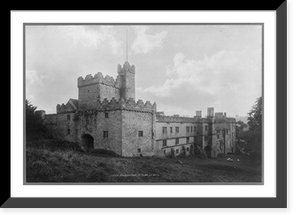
x=208, y=151
x=87, y=142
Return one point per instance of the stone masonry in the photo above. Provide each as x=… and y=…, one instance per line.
x=107, y=116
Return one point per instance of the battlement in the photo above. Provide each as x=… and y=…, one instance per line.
x=129, y=104
x=98, y=79
x=174, y=119
x=220, y=115
x=222, y=118
x=126, y=67
x=64, y=108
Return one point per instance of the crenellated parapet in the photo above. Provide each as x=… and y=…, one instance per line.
x=221, y=117
x=126, y=68
x=64, y=108
x=129, y=104
x=175, y=119
x=98, y=79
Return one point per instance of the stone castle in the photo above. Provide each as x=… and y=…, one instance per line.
x=106, y=115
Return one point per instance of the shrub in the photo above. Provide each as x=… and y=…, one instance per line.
x=97, y=176
x=201, y=154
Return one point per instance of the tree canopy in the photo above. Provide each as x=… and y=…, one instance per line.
x=255, y=116
x=34, y=122
x=254, y=136
x=249, y=136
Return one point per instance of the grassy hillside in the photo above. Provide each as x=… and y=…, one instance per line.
x=62, y=162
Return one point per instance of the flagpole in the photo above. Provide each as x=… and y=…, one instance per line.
x=126, y=45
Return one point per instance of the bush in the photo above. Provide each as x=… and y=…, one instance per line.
x=198, y=152
x=97, y=176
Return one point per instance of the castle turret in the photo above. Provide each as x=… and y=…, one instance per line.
x=127, y=81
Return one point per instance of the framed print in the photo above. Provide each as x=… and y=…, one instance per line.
x=148, y=109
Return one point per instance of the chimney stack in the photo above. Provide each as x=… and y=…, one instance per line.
x=199, y=113
x=210, y=112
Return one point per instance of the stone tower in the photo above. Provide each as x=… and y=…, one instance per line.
x=127, y=81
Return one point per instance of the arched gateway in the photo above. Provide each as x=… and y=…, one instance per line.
x=87, y=142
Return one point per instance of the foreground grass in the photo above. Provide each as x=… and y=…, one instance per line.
x=61, y=162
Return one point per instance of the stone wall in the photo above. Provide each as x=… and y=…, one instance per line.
x=182, y=130
x=65, y=108
x=95, y=123
x=94, y=88
x=108, y=92
x=183, y=150
x=61, y=126
x=183, y=146
x=87, y=96
x=223, y=137
x=132, y=143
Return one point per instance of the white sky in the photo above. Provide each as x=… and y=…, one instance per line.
x=183, y=68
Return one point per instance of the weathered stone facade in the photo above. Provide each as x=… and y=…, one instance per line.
x=107, y=116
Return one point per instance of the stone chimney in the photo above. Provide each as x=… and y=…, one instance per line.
x=199, y=113
x=210, y=112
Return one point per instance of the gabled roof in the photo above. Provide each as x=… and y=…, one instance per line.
x=74, y=103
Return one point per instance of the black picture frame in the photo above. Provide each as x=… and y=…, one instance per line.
x=280, y=201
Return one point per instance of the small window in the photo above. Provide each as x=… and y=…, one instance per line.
x=218, y=136
x=164, y=130
x=187, y=139
x=187, y=149
x=141, y=134
x=106, y=114
x=105, y=134
x=206, y=127
x=195, y=129
x=68, y=117
x=191, y=129
x=177, y=141
x=187, y=129
x=139, y=150
x=69, y=131
x=177, y=150
x=177, y=129
x=164, y=143
x=171, y=129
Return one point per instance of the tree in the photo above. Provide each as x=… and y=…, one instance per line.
x=34, y=122
x=241, y=127
x=254, y=136
x=255, y=116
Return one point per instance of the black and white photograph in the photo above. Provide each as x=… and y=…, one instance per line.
x=109, y=103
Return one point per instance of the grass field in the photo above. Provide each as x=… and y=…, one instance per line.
x=52, y=161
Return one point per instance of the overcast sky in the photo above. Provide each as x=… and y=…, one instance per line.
x=183, y=68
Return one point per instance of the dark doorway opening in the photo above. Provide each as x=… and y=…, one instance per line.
x=208, y=151
x=87, y=142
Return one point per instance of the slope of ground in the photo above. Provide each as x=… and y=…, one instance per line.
x=51, y=161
